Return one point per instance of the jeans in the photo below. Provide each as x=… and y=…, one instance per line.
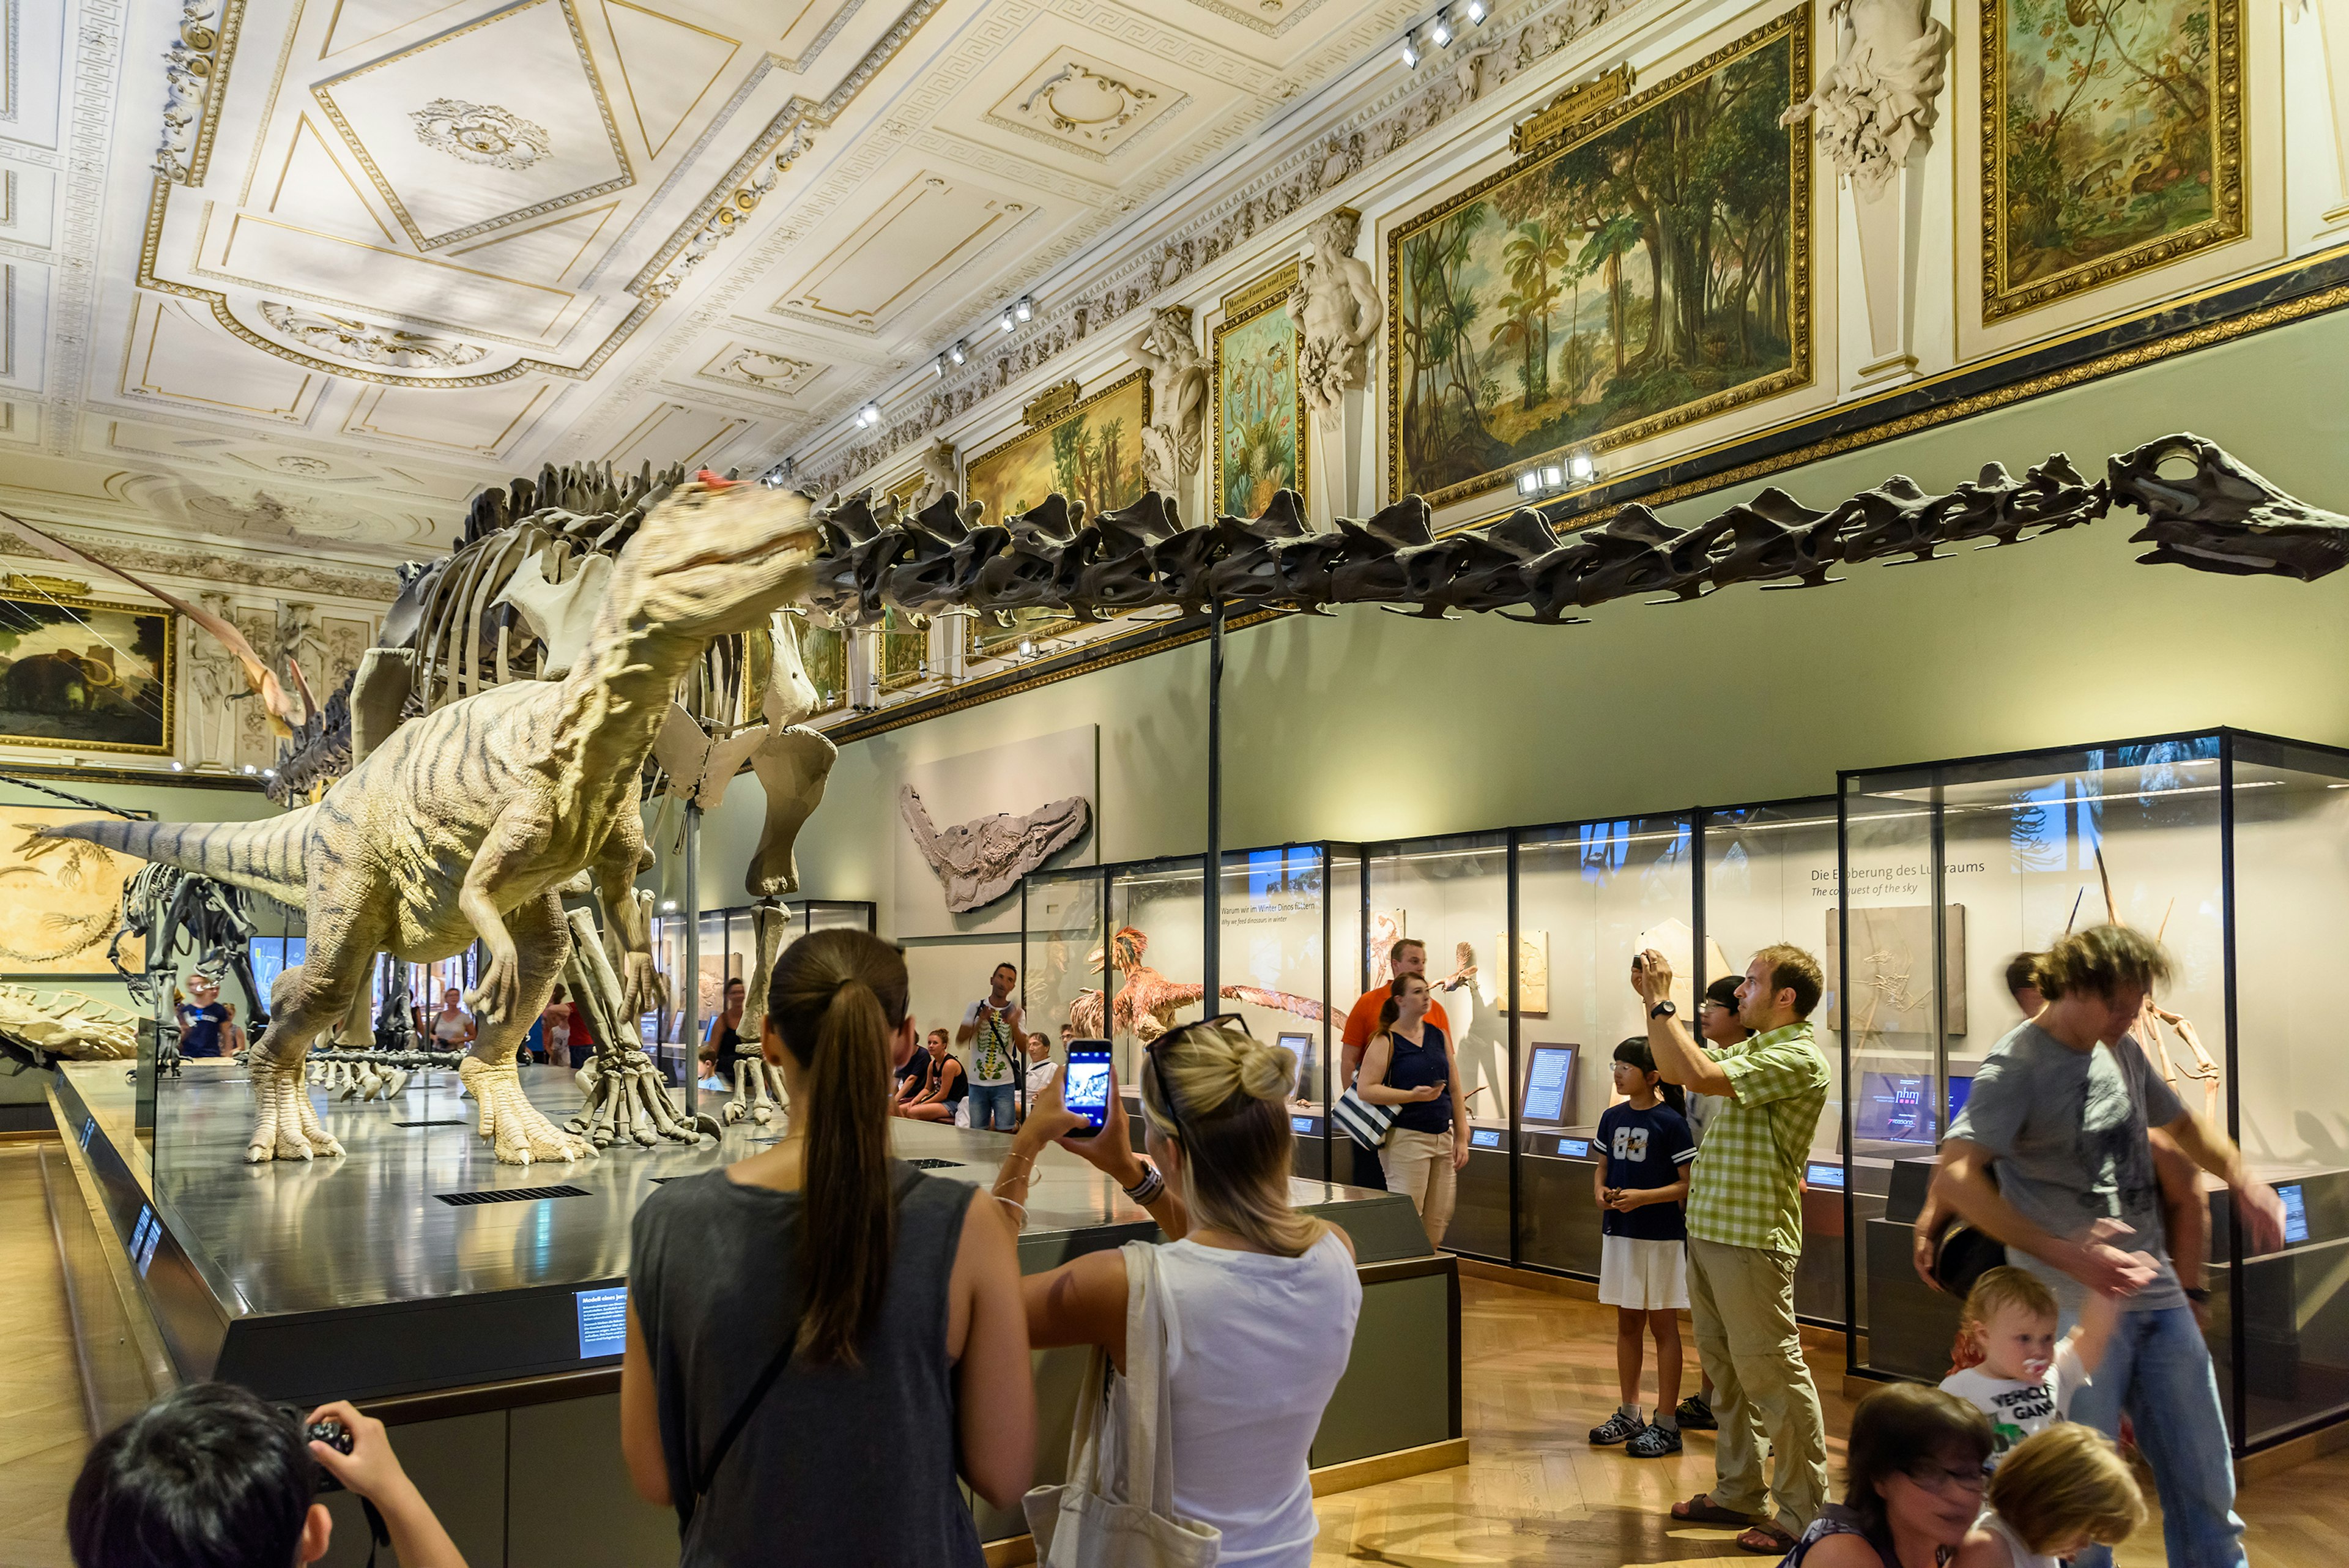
x=1741, y=1305
x=2158, y=1369
x=991, y=1107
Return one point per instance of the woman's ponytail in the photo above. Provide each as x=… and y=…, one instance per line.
x=836, y=998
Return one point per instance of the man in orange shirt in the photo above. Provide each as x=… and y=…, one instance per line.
x=1408, y=955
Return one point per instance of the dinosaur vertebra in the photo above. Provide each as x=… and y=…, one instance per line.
x=465, y=824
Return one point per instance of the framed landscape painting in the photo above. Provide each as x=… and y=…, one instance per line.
x=1091, y=453
x=2112, y=141
x=1648, y=267
x=85, y=674
x=1259, y=413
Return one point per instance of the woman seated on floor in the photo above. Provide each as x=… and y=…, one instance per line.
x=1917, y=1470
x=935, y=1092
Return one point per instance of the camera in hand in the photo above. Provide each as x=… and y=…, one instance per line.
x=331, y=1432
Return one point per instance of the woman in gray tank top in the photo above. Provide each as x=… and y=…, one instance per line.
x=900, y=1297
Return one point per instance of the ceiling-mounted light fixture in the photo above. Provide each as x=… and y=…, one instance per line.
x=178, y=767
x=1529, y=483
x=938, y=367
x=1476, y=11
x=1409, y=52
x=1580, y=468
x=959, y=353
x=1026, y=309
x=869, y=415
x=1027, y=648
x=1440, y=30
x=1552, y=475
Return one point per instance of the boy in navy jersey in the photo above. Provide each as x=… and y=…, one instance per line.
x=1641, y=1177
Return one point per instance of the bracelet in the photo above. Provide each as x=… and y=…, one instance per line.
x=2197, y=1294
x=1147, y=1191
x=1012, y=1203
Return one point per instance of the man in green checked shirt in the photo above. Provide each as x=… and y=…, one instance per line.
x=1745, y=1234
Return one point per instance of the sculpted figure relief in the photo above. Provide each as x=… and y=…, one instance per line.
x=1875, y=108
x=1165, y=346
x=1337, y=301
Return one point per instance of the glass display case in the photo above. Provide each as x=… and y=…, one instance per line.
x=727, y=945
x=2228, y=847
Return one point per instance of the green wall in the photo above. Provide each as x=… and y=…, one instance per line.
x=1370, y=725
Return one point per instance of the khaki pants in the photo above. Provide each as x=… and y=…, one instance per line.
x=1420, y=1164
x=1742, y=1301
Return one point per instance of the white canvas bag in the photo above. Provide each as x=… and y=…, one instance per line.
x=1125, y=1520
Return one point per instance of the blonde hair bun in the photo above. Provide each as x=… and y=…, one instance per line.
x=1266, y=1072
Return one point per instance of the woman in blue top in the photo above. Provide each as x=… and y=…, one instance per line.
x=1410, y=1065
x=1640, y=1180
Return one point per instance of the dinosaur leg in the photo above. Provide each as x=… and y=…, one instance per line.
x=306, y=1000
x=518, y=1129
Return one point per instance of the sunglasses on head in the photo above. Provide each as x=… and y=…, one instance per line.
x=1149, y=1052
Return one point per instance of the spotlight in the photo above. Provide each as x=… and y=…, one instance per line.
x=1027, y=648
x=1440, y=31
x=938, y=367
x=1007, y=323
x=1529, y=483
x=959, y=353
x=1580, y=469
x=251, y=769
x=1552, y=475
x=1025, y=309
x=1410, y=53
x=669, y=905
x=1476, y=9
x=269, y=772
x=869, y=415
x=178, y=767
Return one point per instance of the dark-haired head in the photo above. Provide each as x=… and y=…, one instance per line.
x=1406, y=988
x=1907, y=1436
x=837, y=1002
x=1636, y=1052
x=206, y=1477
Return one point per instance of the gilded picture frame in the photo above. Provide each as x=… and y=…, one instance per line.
x=2081, y=188
x=1583, y=182
x=86, y=675
x=1260, y=433
x=1096, y=440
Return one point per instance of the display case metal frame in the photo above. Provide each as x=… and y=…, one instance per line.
x=2227, y=1256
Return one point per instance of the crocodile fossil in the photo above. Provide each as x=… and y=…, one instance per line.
x=467, y=822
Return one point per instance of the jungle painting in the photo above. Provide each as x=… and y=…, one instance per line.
x=1093, y=454
x=1260, y=414
x=2107, y=127
x=1649, y=268
x=85, y=673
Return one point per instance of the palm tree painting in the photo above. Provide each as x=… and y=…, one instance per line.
x=2104, y=117
x=1259, y=408
x=1648, y=267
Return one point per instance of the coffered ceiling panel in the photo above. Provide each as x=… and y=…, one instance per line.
x=673, y=432
x=763, y=369
x=358, y=22
x=485, y=125
x=1079, y=101
x=486, y=422
x=908, y=243
x=667, y=67
x=178, y=354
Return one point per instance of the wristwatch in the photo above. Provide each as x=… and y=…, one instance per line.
x=1665, y=1009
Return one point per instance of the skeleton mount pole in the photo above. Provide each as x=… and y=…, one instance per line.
x=1212, y=883
x=689, y=1012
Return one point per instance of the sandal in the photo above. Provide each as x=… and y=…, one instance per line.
x=1701, y=1509
x=1766, y=1540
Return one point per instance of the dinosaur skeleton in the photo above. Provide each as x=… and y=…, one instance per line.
x=466, y=823
x=40, y=1027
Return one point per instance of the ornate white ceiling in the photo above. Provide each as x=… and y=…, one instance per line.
x=300, y=275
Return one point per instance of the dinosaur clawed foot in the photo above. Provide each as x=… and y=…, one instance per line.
x=521, y=1134
x=285, y=1125
x=628, y=1098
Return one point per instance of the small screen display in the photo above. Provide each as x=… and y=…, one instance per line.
x=1549, y=1073
x=602, y=1321
x=1308, y=1072
x=1085, y=1090
x=1959, y=1090
x=1302, y=1125
x=1820, y=1174
x=2295, y=1213
x=1574, y=1147
x=1484, y=1138
x=1892, y=1107
x=143, y=1237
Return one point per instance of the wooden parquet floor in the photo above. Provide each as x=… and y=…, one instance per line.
x=1540, y=1372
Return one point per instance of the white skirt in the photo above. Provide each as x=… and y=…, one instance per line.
x=1645, y=1276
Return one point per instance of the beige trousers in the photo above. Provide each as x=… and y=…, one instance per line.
x=1742, y=1303
x=1420, y=1164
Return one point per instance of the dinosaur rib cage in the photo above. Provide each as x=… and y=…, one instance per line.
x=2216, y=515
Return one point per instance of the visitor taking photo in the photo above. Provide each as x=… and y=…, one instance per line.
x=821, y=1340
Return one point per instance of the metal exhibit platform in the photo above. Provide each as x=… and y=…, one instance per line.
x=435, y=1287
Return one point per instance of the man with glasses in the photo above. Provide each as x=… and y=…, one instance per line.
x=1407, y=957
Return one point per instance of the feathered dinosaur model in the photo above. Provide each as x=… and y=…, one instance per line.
x=466, y=823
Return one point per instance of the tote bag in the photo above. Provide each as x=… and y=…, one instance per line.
x=1365, y=1123
x=1097, y=1520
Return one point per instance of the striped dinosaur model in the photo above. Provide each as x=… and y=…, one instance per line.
x=466, y=823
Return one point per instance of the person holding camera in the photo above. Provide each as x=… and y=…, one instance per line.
x=992, y=1032
x=1744, y=1220
x=209, y=1476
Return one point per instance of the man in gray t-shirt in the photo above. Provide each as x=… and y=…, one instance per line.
x=2062, y=1114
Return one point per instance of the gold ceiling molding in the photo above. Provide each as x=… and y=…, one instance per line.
x=299, y=577
x=195, y=72
x=366, y=343
x=1050, y=404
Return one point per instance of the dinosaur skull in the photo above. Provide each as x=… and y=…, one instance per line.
x=711, y=560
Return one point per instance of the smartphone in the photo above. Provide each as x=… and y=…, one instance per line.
x=1084, y=1085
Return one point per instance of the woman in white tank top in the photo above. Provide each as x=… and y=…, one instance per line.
x=1260, y=1300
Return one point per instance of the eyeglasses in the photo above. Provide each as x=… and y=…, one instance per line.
x=1940, y=1477
x=1150, y=1052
